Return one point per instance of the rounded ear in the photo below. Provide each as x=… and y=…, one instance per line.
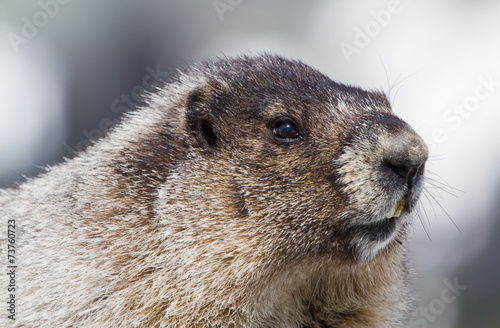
x=200, y=105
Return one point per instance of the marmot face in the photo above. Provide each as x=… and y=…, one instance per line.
x=316, y=167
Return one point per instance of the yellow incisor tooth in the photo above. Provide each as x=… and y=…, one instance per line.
x=396, y=210
x=399, y=208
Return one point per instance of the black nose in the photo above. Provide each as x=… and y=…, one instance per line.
x=400, y=152
x=407, y=171
x=405, y=155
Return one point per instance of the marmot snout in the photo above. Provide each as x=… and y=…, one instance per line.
x=385, y=166
x=251, y=192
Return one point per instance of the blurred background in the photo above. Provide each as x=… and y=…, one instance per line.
x=69, y=68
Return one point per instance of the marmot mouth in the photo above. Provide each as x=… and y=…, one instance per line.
x=385, y=228
x=396, y=210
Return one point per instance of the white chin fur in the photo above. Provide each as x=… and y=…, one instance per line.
x=367, y=248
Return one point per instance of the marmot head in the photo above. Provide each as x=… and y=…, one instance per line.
x=280, y=154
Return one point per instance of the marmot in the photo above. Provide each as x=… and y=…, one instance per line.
x=250, y=192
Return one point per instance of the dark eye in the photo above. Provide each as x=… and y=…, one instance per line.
x=286, y=130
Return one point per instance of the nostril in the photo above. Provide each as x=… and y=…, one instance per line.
x=407, y=171
x=412, y=176
x=393, y=167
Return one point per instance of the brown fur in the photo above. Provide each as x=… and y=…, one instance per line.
x=192, y=214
